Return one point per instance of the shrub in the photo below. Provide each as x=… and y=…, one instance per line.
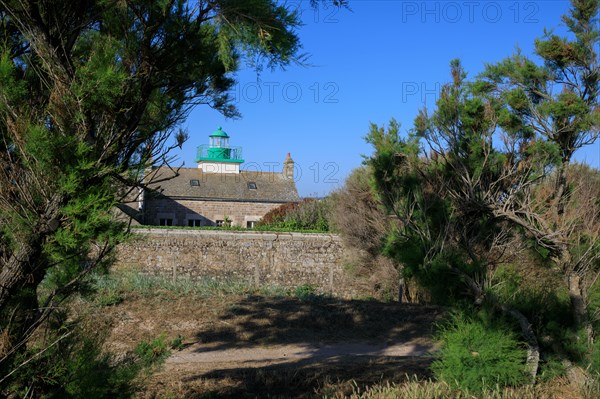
x=477, y=357
x=363, y=223
x=153, y=353
x=309, y=214
x=305, y=291
x=69, y=362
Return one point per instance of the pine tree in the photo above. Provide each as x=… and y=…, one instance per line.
x=90, y=92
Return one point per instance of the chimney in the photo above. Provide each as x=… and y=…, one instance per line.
x=288, y=167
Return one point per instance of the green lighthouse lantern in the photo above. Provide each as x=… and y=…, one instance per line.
x=218, y=147
x=218, y=155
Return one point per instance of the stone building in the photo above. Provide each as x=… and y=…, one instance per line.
x=217, y=192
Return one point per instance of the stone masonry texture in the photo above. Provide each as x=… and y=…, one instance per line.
x=287, y=260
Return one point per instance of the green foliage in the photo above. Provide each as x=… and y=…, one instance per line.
x=548, y=306
x=595, y=361
x=177, y=343
x=309, y=214
x=106, y=287
x=485, y=181
x=73, y=365
x=477, y=356
x=109, y=299
x=305, y=291
x=153, y=353
x=91, y=93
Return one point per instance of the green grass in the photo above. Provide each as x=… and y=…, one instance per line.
x=112, y=288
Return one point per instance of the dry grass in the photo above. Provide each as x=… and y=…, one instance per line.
x=4, y=342
x=414, y=389
x=250, y=319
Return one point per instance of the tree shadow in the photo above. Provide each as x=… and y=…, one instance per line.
x=338, y=345
x=259, y=321
x=305, y=379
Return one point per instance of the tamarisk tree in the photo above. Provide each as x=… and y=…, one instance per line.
x=556, y=105
x=470, y=183
x=90, y=92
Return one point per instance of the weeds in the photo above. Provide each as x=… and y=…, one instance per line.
x=112, y=289
x=415, y=389
x=153, y=353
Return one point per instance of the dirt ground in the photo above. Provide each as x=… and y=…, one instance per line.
x=247, y=346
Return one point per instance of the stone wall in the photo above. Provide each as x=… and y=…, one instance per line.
x=259, y=258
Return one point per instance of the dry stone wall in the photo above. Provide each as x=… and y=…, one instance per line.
x=260, y=258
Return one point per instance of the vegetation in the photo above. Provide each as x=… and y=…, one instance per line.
x=309, y=214
x=415, y=389
x=363, y=222
x=487, y=197
x=479, y=356
x=484, y=208
x=121, y=284
x=92, y=92
x=229, y=315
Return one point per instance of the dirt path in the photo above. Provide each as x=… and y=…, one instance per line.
x=197, y=356
x=243, y=346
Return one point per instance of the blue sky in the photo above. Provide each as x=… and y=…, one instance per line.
x=381, y=60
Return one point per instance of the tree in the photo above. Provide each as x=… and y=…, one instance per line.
x=470, y=182
x=363, y=223
x=90, y=92
x=555, y=104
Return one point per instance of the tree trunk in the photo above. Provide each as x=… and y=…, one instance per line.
x=560, y=187
x=579, y=307
x=19, y=267
x=26, y=267
x=533, y=348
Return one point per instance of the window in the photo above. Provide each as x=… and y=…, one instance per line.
x=195, y=183
x=252, y=185
x=194, y=222
x=165, y=222
x=250, y=224
x=219, y=223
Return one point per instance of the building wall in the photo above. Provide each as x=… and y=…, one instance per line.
x=220, y=167
x=208, y=212
x=259, y=258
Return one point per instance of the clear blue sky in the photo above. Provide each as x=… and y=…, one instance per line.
x=380, y=60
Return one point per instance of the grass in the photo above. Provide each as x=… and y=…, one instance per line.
x=111, y=288
x=233, y=314
x=428, y=389
x=475, y=356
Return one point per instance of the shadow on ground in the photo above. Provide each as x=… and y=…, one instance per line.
x=258, y=321
x=343, y=344
x=305, y=379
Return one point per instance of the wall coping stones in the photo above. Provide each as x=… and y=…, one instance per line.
x=235, y=234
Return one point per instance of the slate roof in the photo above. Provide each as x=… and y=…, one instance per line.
x=270, y=187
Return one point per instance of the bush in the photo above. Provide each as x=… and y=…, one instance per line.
x=477, y=357
x=153, y=353
x=309, y=214
x=70, y=363
x=305, y=291
x=363, y=223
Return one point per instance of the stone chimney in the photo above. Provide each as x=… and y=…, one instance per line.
x=288, y=167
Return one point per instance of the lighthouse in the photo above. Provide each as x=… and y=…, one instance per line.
x=218, y=156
